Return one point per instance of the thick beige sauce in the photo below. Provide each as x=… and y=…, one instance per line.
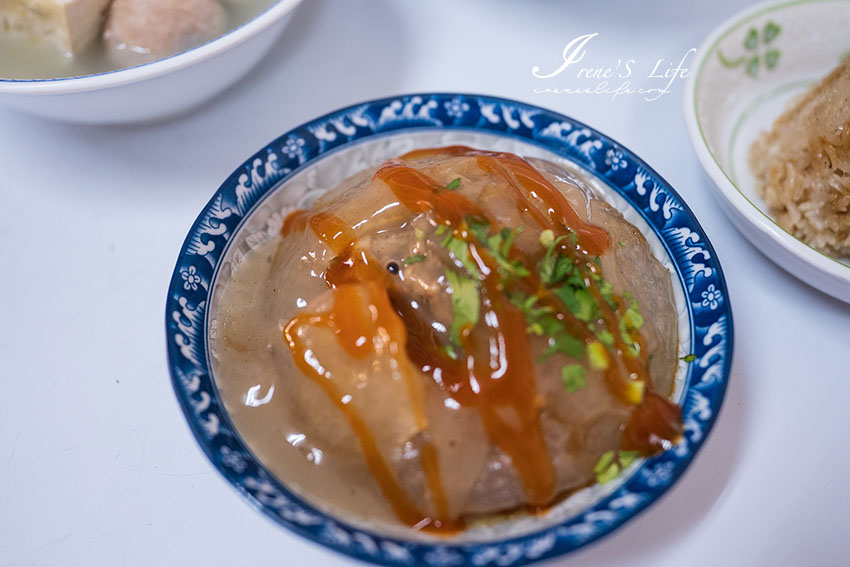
x=320, y=369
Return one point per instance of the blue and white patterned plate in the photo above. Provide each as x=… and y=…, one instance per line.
x=290, y=169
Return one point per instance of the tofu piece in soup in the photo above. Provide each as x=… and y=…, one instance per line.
x=71, y=25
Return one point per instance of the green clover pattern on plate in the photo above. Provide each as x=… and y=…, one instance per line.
x=758, y=49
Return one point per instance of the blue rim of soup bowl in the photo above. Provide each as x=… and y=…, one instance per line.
x=697, y=269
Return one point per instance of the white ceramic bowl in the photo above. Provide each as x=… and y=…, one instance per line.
x=157, y=89
x=747, y=71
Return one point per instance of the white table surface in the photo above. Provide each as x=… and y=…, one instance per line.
x=97, y=465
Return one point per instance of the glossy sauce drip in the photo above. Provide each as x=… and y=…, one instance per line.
x=420, y=193
x=495, y=374
x=362, y=317
x=529, y=186
x=295, y=221
x=394, y=493
x=653, y=426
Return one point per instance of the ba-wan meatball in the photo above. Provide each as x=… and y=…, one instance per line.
x=448, y=336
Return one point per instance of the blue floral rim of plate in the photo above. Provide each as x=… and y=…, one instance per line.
x=663, y=209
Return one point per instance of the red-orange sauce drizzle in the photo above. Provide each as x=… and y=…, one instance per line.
x=530, y=189
x=498, y=383
x=356, y=321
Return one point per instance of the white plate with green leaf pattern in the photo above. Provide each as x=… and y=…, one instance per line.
x=747, y=71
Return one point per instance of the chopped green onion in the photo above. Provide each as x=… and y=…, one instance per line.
x=465, y=305
x=611, y=464
x=574, y=376
x=415, y=259
x=460, y=250
x=597, y=356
